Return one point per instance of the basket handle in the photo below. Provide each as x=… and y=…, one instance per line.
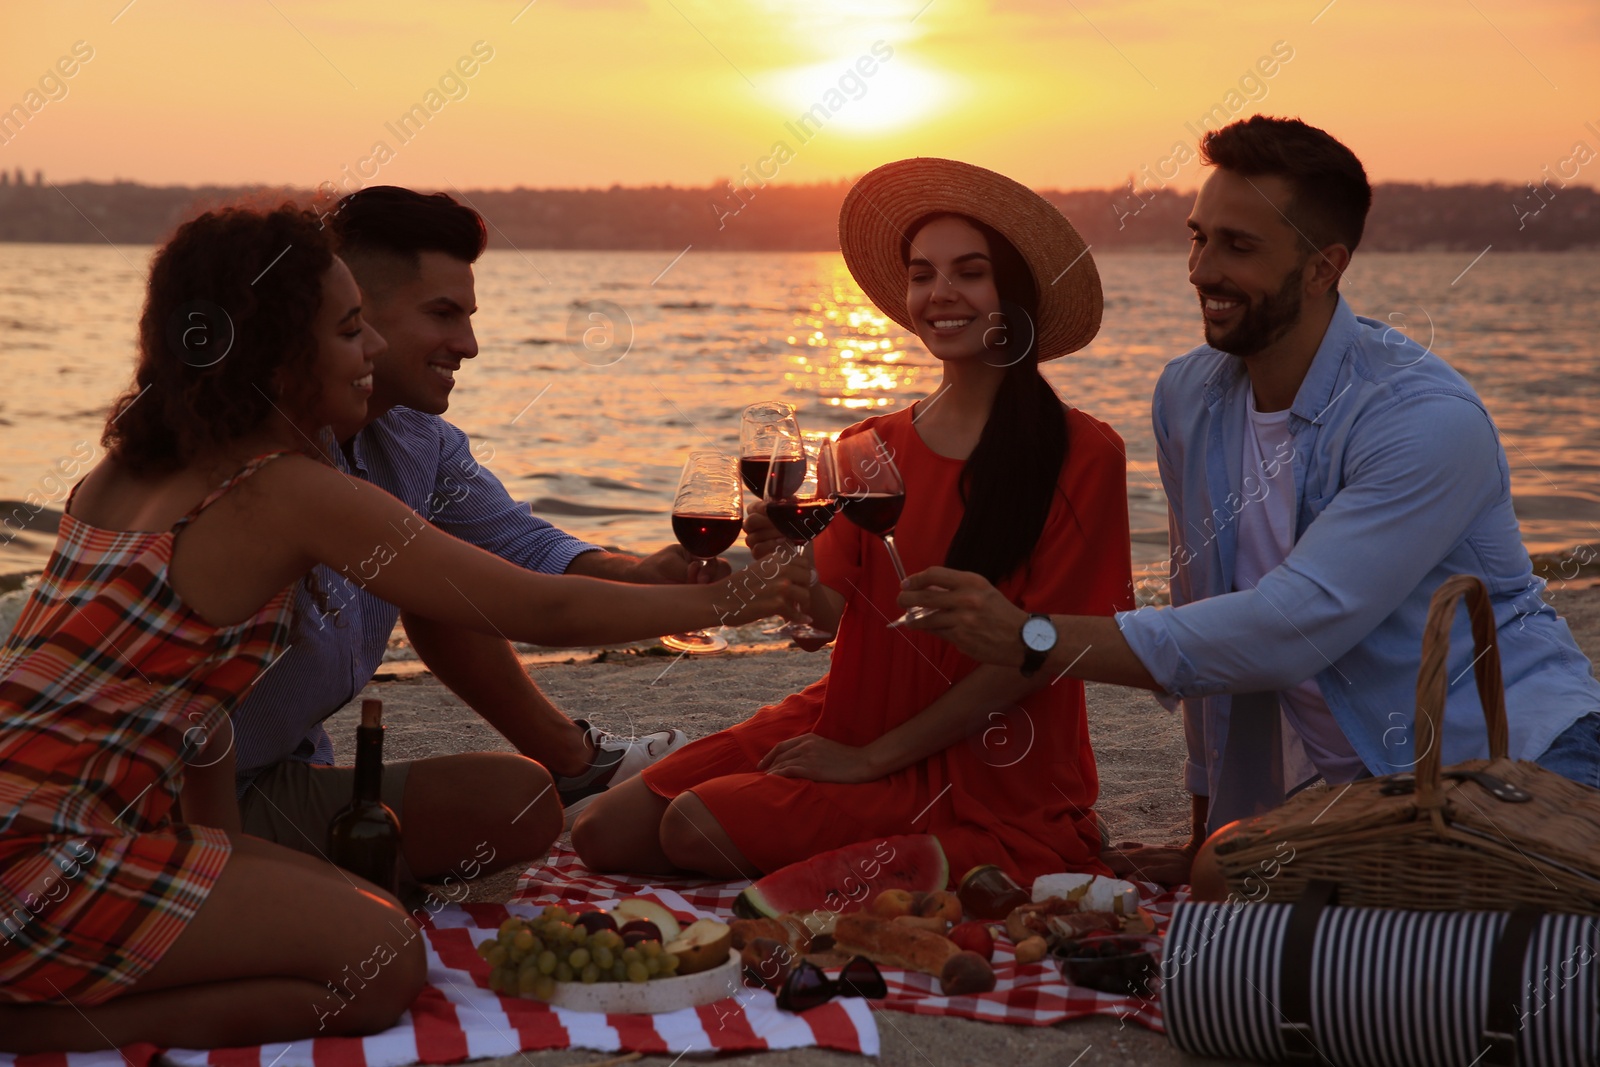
x=1433, y=686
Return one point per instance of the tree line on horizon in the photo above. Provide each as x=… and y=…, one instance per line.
x=802, y=218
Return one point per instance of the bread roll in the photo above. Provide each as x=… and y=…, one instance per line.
x=786, y=929
x=893, y=944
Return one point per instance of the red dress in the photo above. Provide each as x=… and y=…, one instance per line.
x=1017, y=792
x=105, y=684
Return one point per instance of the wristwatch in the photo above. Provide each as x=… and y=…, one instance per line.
x=1038, y=638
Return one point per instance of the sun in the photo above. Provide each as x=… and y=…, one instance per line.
x=867, y=93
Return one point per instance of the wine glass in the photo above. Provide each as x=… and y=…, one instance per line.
x=800, y=513
x=706, y=519
x=859, y=475
x=769, y=436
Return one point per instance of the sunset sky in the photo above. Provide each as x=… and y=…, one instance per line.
x=1064, y=94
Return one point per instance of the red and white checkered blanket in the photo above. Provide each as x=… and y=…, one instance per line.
x=457, y=1018
x=1031, y=995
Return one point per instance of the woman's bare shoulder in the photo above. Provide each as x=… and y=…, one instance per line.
x=297, y=464
x=111, y=497
x=307, y=490
x=299, y=484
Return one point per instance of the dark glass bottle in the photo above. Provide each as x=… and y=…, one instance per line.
x=364, y=838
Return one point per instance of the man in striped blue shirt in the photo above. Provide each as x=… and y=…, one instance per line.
x=412, y=256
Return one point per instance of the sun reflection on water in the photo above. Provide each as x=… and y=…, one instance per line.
x=858, y=359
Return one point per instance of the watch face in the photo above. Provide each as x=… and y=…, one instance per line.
x=1039, y=635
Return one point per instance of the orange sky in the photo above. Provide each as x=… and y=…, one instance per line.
x=1056, y=93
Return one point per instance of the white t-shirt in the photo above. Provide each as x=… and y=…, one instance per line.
x=1266, y=534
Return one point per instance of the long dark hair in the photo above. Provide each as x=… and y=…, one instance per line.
x=231, y=303
x=1009, y=481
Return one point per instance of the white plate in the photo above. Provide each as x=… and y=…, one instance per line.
x=654, y=996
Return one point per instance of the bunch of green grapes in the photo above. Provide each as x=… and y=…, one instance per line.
x=530, y=956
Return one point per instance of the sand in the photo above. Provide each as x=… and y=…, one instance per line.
x=1138, y=745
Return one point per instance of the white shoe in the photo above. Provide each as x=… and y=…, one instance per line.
x=616, y=759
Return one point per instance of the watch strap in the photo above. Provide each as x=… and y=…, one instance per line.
x=1032, y=658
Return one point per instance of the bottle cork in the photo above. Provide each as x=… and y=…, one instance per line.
x=372, y=713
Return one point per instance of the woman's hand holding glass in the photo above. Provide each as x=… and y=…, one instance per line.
x=763, y=539
x=761, y=535
x=777, y=585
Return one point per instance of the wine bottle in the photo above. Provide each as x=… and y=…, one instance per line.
x=364, y=838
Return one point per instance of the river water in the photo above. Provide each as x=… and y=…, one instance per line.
x=599, y=371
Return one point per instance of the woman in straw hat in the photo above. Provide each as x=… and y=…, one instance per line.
x=905, y=734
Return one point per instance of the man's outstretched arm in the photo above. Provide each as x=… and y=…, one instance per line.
x=671, y=565
x=978, y=619
x=471, y=503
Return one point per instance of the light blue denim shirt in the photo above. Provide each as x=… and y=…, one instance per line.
x=1400, y=481
x=430, y=466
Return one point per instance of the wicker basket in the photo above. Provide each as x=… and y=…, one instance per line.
x=1438, y=840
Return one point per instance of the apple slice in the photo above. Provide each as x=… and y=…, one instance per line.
x=704, y=944
x=635, y=931
x=640, y=908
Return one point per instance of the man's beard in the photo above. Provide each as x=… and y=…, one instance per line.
x=1261, y=324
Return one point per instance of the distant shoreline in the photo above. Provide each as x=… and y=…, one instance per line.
x=1580, y=562
x=753, y=217
x=1152, y=250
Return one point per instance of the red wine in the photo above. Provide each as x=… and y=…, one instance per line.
x=873, y=512
x=705, y=536
x=800, y=521
x=791, y=472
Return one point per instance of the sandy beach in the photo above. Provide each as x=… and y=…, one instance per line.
x=1138, y=745
x=501, y=260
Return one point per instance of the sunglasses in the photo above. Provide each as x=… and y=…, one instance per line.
x=809, y=985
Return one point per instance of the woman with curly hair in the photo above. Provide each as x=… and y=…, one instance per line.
x=132, y=908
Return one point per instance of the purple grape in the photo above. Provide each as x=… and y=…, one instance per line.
x=595, y=921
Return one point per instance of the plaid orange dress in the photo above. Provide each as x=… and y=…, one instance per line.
x=108, y=684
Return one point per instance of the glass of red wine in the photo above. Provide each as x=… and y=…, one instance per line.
x=707, y=517
x=858, y=474
x=800, y=513
x=769, y=439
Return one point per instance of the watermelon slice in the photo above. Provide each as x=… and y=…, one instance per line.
x=846, y=879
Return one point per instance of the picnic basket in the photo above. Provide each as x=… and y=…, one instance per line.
x=1479, y=835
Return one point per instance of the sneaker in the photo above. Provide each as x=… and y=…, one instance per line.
x=616, y=759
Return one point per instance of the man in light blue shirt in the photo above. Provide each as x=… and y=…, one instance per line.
x=461, y=815
x=1324, y=474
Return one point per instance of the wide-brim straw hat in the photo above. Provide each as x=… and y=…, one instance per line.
x=881, y=207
